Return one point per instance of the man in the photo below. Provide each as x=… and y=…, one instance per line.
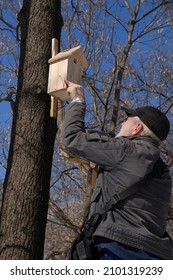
x=136, y=227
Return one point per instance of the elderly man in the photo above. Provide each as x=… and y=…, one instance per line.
x=134, y=228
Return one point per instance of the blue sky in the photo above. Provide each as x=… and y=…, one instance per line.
x=5, y=120
x=5, y=112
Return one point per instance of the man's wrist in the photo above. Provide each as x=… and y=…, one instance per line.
x=78, y=100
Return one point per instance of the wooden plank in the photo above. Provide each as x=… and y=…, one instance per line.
x=54, y=47
x=94, y=176
x=53, y=106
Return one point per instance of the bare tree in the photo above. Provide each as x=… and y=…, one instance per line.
x=26, y=186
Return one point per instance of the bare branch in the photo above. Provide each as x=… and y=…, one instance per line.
x=106, y=11
x=6, y=22
x=59, y=213
x=153, y=10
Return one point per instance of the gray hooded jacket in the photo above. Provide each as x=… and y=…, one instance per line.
x=140, y=220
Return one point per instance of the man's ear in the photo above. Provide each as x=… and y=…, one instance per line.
x=138, y=129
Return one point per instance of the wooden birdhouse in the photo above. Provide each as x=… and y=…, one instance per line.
x=65, y=65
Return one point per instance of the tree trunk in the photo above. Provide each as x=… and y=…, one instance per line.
x=26, y=185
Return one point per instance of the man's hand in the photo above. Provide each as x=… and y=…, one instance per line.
x=75, y=91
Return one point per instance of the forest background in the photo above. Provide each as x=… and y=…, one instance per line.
x=129, y=49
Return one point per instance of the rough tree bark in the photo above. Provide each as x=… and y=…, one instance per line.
x=26, y=185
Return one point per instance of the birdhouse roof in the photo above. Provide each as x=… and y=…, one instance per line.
x=77, y=52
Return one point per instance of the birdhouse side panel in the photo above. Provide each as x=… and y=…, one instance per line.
x=57, y=75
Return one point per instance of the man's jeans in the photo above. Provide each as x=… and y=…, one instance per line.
x=115, y=251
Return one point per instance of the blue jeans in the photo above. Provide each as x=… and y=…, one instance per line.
x=108, y=255
x=115, y=251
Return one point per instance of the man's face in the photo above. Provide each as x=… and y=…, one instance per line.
x=129, y=126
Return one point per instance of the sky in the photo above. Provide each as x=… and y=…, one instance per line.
x=5, y=120
x=5, y=112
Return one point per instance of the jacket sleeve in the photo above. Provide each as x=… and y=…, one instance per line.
x=94, y=147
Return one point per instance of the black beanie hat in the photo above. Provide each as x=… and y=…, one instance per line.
x=153, y=118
